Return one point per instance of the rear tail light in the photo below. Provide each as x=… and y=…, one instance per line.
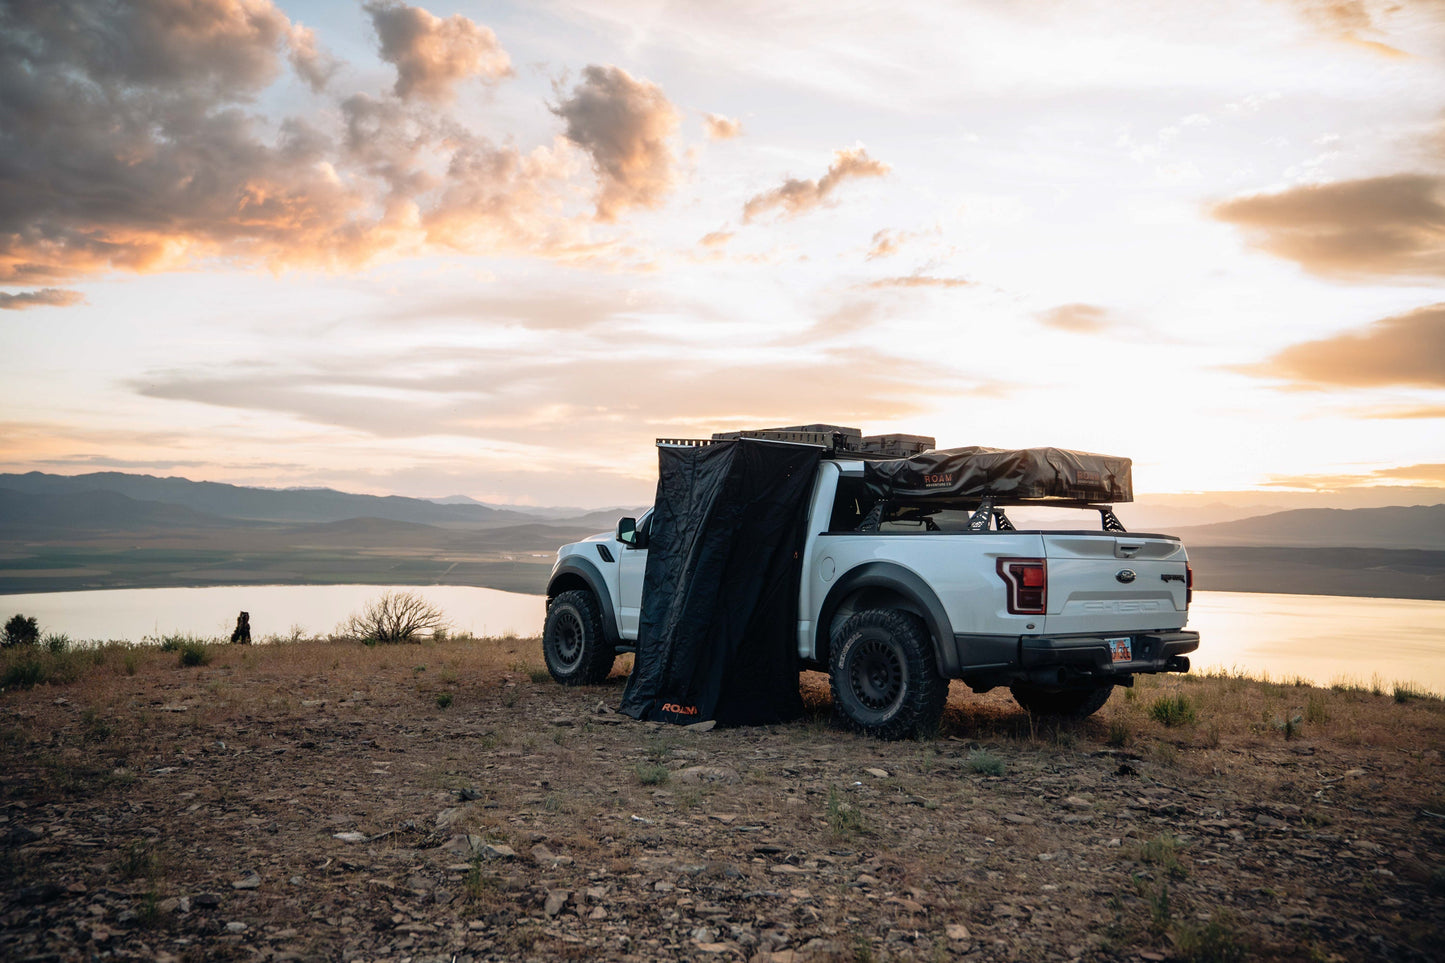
x=1188, y=584
x=1028, y=584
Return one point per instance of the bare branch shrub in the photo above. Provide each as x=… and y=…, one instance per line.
x=395, y=617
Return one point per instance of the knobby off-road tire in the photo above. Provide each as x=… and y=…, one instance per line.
x=573, y=643
x=883, y=676
x=1068, y=703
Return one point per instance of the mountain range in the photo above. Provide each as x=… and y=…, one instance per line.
x=215, y=502
x=116, y=530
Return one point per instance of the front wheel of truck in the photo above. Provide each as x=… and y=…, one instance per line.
x=1068, y=703
x=883, y=677
x=573, y=643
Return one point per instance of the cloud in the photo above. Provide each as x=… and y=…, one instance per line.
x=519, y=398
x=625, y=124
x=917, y=281
x=1376, y=227
x=1076, y=318
x=797, y=196
x=1346, y=21
x=135, y=145
x=1408, y=349
x=45, y=297
x=1402, y=412
x=719, y=127
x=312, y=64
x=716, y=239
x=1426, y=475
x=432, y=55
x=886, y=243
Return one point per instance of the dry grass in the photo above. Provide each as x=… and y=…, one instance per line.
x=363, y=732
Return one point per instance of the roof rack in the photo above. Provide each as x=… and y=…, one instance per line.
x=838, y=439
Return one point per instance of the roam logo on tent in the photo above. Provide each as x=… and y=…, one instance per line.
x=938, y=481
x=678, y=710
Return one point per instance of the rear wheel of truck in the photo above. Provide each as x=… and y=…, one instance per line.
x=573, y=643
x=883, y=677
x=1068, y=703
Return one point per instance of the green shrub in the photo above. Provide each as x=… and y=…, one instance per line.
x=57, y=642
x=1163, y=851
x=1217, y=941
x=1405, y=691
x=845, y=820
x=1173, y=710
x=194, y=653
x=652, y=773
x=444, y=700
x=24, y=673
x=984, y=763
x=21, y=630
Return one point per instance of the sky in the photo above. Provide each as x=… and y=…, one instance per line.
x=497, y=249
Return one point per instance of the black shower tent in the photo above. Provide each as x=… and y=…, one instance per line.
x=716, y=638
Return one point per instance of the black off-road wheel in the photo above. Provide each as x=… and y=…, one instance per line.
x=883, y=676
x=573, y=643
x=1077, y=703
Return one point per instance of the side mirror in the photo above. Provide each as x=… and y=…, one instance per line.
x=627, y=531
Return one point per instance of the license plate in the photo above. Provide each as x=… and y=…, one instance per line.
x=1121, y=650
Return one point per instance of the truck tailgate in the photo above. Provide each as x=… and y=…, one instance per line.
x=1109, y=583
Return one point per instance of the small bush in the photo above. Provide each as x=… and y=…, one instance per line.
x=57, y=643
x=1217, y=941
x=20, y=630
x=392, y=618
x=24, y=674
x=1118, y=733
x=845, y=820
x=1173, y=710
x=35, y=666
x=444, y=700
x=194, y=653
x=652, y=773
x=1316, y=710
x=1405, y=691
x=136, y=860
x=984, y=763
x=174, y=643
x=1163, y=851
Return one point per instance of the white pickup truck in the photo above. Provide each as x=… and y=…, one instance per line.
x=898, y=596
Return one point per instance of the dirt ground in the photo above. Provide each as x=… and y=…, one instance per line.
x=447, y=801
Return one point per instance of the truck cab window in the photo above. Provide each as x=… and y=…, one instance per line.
x=850, y=505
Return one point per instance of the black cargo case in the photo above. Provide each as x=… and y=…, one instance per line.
x=716, y=636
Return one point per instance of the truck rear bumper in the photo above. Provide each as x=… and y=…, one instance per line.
x=988, y=661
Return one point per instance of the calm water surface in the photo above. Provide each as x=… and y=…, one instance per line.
x=132, y=614
x=1322, y=638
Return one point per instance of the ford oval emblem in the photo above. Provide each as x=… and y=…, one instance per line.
x=1125, y=575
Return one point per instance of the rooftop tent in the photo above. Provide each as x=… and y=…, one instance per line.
x=716, y=638
x=1046, y=474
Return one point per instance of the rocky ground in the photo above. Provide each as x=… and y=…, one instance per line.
x=449, y=802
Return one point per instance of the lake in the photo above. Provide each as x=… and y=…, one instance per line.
x=1322, y=638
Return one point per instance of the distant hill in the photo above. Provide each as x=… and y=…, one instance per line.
x=1414, y=527
x=262, y=504
x=86, y=511
x=569, y=513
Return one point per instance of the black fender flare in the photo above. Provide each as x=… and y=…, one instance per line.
x=892, y=577
x=564, y=577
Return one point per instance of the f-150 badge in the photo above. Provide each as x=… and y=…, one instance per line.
x=1125, y=575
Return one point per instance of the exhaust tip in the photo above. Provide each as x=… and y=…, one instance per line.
x=1177, y=663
